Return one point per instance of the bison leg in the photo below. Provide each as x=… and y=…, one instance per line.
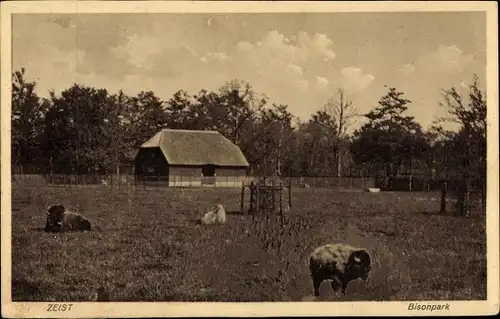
x=344, y=287
x=52, y=228
x=336, y=285
x=317, y=280
x=47, y=226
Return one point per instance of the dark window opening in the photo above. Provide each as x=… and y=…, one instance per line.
x=208, y=170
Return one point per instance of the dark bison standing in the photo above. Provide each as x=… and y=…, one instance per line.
x=59, y=220
x=338, y=263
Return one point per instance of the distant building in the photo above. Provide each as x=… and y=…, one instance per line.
x=189, y=153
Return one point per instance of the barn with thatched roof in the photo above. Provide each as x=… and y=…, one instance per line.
x=190, y=154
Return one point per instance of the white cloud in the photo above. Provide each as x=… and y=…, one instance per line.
x=442, y=68
x=294, y=69
x=355, y=80
x=446, y=59
x=217, y=56
x=291, y=70
x=244, y=46
x=297, y=50
x=318, y=46
x=287, y=68
x=321, y=82
x=138, y=49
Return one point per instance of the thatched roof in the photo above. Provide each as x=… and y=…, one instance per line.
x=190, y=147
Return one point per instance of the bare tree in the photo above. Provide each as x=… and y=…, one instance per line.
x=243, y=103
x=341, y=109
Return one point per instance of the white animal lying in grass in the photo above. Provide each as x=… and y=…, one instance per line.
x=215, y=215
x=339, y=263
x=59, y=219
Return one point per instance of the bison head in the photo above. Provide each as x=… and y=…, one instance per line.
x=359, y=264
x=55, y=215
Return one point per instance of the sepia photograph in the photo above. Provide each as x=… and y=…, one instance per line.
x=218, y=158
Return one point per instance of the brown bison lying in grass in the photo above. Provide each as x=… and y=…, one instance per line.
x=59, y=220
x=339, y=263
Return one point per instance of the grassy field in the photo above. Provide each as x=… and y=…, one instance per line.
x=145, y=247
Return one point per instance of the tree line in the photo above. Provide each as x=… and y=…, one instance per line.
x=90, y=130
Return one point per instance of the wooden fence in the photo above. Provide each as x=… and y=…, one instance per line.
x=423, y=184
x=349, y=183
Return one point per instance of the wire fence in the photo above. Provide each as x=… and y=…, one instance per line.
x=410, y=183
x=125, y=181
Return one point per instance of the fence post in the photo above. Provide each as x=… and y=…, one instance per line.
x=362, y=182
x=118, y=175
x=258, y=198
x=273, y=196
x=242, y=197
x=252, y=198
x=281, y=201
x=290, y=192
x=443, y=198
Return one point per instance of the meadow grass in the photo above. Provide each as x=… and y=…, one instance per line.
x=145, y=246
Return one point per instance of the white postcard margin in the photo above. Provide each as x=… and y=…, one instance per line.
x=250, y=309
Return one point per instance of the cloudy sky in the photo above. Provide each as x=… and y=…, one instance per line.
x=297, y=59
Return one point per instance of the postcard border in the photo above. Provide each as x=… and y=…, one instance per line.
x=183, y=309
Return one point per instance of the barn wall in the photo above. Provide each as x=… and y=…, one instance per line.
x=151, y=158
x=185, y=171
x=196, y=171
x=230, y=171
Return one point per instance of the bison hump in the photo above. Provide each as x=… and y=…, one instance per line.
x=332, y=256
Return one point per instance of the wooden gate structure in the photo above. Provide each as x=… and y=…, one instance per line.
x=266, y=196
